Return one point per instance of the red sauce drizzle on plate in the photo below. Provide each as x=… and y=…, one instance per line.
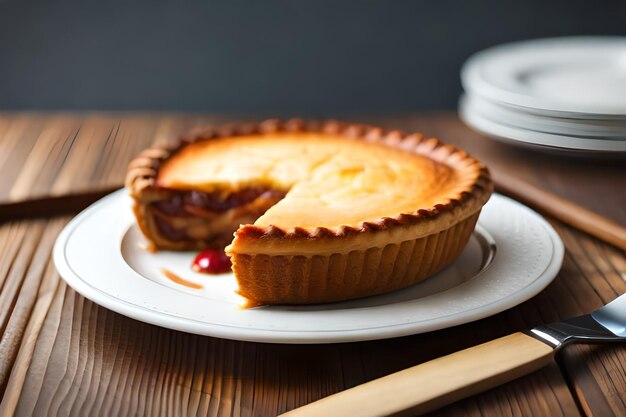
x=211, y=261
x=175, y=278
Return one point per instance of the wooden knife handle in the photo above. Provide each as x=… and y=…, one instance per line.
x=433, y=384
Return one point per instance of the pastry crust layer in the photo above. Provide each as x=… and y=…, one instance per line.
x=323, y=278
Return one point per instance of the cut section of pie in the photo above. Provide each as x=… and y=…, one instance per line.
x=320, y=212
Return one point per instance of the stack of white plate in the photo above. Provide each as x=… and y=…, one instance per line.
x=563, y=94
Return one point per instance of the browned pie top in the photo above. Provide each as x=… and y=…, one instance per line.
x=331, y=181
x=336, y=180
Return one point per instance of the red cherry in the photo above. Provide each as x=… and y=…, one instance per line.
x=211, y=261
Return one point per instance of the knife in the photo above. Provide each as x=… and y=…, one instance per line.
x=52, y=205
x=439, y=382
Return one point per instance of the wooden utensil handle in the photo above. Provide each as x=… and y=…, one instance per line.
x=441, y=381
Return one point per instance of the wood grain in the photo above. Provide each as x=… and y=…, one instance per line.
x=66, y=155
x=62, y=355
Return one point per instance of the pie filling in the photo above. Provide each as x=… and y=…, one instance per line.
x=211, y=218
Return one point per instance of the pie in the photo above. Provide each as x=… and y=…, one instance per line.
x=320, y=212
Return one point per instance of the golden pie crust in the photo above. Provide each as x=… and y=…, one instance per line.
x=365, y=210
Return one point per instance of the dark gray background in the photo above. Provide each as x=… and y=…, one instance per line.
x=270, y=57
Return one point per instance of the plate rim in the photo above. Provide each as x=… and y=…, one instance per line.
x=473, y=82
x=592, y=129
x=511, y=134
x=192, y=325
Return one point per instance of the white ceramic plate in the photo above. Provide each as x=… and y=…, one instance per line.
x=580, y=76
x=515, y=117
x=535, y=139
x=513, y=255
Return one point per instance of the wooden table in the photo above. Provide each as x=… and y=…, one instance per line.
x=61, y=354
